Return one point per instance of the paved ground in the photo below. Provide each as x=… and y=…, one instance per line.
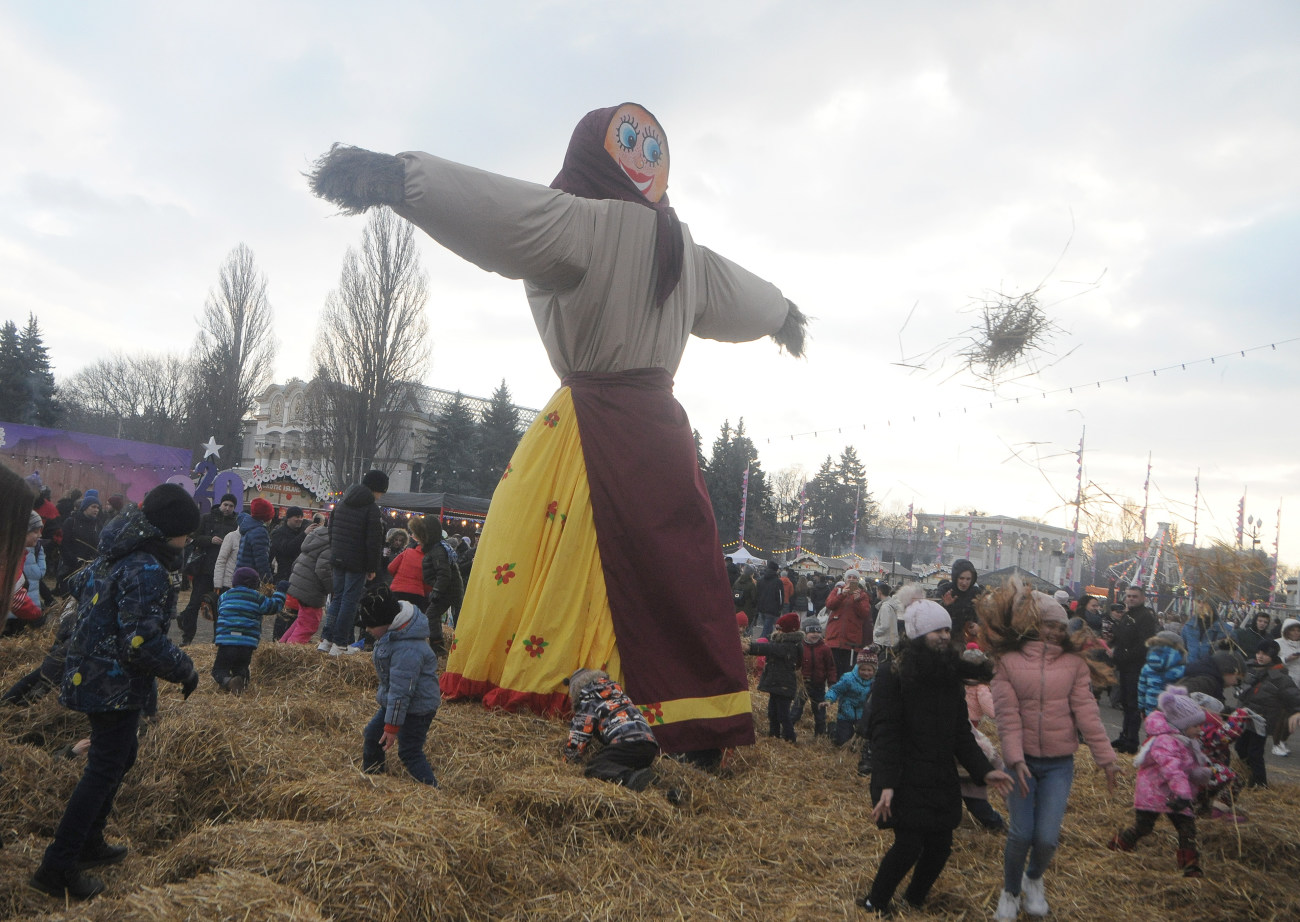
x=1279, y=768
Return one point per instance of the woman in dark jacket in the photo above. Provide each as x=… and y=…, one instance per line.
x=960, y=599
x=919, y=731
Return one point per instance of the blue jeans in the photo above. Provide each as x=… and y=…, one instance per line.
x=410, y=746
x=1035, y=821
x=342, y=611
x=768, y=624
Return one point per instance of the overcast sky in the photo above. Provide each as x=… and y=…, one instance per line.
x=865, y=157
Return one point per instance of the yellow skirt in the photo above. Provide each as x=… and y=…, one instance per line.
x=535, y=609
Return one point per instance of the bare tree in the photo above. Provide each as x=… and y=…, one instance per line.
x=141, y=397
x=787, y=484
x=371, y=351
x=234, y=349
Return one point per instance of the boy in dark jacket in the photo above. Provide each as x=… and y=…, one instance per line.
x=780, y=679
x=239, y=628
x=356, y=548
x=118, y=650
x=408, y=694
x=603, y=711
x=1269, y=692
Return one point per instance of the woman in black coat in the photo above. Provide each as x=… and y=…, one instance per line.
x=919, y=731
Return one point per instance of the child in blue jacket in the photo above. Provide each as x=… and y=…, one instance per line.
x=239, y=628
x=853, y=692
x=1166, y=663
x=408, y=693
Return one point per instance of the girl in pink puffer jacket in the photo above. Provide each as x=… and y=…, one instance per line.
x=1171, y=771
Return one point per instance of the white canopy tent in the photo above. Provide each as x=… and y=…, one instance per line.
x=742, y=557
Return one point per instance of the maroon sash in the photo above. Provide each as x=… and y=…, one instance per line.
x=668, y=595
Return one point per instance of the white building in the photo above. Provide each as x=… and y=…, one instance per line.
x=275, y=437
x=987, y=541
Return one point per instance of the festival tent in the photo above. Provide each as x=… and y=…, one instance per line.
x=446, y=506
x=741, y=557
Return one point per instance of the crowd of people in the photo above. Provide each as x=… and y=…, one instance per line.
x=910, y=677
x=117, y=578
x=1036, y=668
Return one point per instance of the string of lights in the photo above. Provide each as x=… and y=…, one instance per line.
x=1070, y=389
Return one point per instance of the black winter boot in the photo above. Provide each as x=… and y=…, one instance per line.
x=62, y=884
x=98, y=854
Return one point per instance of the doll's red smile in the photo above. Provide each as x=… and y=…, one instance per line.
x=641, y=180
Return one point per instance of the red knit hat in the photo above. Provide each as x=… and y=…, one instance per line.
x=742, y=619
x=787, y=623
x=261, y=510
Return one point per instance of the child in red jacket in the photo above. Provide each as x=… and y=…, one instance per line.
x=818, y=668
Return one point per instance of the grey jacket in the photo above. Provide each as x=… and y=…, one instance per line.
x=312, y=578
x=407, y=668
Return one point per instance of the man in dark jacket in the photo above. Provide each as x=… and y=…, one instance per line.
x=80, y=538
x=919, y=732
x=213, y=527
x=1130, y=633
x=356, y=547
x=118, y=650
x=769, y=598
x=286, y=542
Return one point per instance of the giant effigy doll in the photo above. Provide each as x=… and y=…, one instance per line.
x=600, y=549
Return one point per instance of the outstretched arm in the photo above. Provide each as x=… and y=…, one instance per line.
x=517, y=229
x=737, y=306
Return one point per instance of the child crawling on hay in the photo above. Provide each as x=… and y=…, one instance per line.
x=408, y=693
x=603, y=711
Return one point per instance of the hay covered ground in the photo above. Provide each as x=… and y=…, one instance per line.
x=255, y=808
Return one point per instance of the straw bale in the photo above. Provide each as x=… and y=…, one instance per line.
x=426, y=862
x=217, y=897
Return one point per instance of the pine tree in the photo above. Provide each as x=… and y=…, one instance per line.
x=733, y=451
x=499, y=434
x=822, y=497
x=453, y=451
x=851, y=494
x=13, y=374
x=43, y=407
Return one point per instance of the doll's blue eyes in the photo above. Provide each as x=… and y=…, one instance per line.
x=650, y=149
x=627, y=136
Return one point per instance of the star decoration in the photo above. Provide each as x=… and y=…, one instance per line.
x=211, y=448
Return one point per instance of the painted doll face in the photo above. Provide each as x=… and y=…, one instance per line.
x=640, y=148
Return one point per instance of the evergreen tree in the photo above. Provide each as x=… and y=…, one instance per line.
x=499, y=434
x=453, y=446
x=851, y=494
x=12, y=373
x=833, y=494
x=43, y=407
x=733, y=451
x=820, y=507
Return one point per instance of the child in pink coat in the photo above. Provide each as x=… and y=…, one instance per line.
x=1171, y=771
